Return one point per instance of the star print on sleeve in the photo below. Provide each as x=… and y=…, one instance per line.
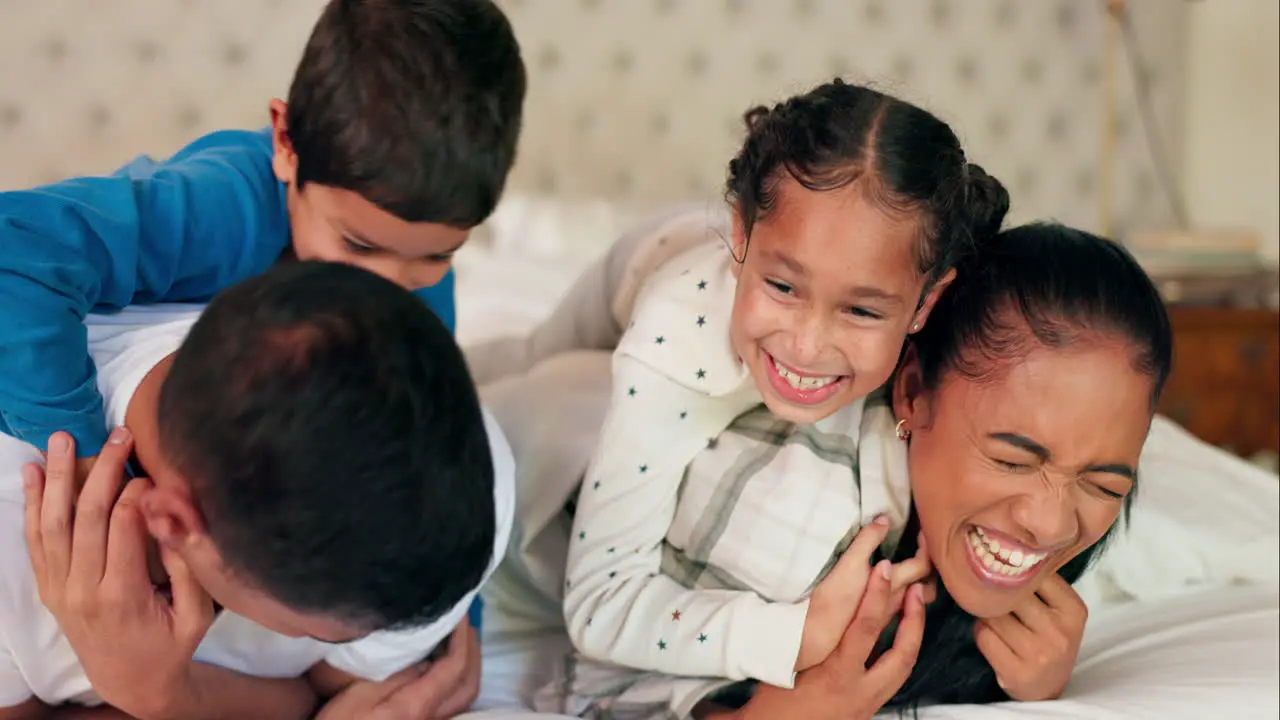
x=679, y=355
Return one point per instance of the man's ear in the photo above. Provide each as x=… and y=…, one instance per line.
x=930, y=299
x=171, y=517
x=910, y=397
x=284, y=161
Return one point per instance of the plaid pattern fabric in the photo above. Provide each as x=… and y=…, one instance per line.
x=767, y=507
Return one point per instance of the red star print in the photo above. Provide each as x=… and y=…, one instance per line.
x=675, y=616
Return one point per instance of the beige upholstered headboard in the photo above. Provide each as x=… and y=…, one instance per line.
x=634, y=101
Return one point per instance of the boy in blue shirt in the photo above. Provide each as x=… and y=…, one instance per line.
x=398, y=134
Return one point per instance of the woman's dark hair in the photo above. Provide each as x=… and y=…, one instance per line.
x=910, y=161
x=1064, y=286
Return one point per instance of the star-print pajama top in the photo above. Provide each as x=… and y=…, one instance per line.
x=704, y=521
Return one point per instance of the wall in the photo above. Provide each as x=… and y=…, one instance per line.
x=634, y=101
x=1232, y=148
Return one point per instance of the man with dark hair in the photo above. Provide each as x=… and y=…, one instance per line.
x=323, y=495
x=399, y=133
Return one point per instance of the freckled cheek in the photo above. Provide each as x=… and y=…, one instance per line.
x=756, y=316
x=871, y=353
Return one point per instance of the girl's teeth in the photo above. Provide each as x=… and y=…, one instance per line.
x=801, y=382
x=1001, y=560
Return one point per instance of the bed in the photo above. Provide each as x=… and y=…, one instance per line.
x=634, y=103
x=1185, y=606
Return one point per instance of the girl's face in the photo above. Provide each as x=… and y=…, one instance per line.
x=827, y=291
x=1017, y=473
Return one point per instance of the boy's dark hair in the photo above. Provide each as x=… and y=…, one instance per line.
x=910, y=161
x=414, y=104
x=334, y=444
x=1066, y=287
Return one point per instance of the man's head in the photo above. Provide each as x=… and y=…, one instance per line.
x=399, y=132
x=324, y=467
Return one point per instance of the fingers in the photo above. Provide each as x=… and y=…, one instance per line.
x=466, y=691
x=56, y=504
x=1034, y=614
x=915, y=569
x=910, y=571
x=999, y=655
x=33, y=494
x=894, y=667
x=869, y=621
x=1060, y=597
x=95, y=506
x=364, y=700
x=192, y=606
x=852, y=565
x=1010, y=630
x=425, y=696
x=127, y=536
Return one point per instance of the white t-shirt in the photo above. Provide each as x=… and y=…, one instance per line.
x=35, y=658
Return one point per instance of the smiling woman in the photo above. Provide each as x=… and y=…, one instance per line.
x=1025, y=404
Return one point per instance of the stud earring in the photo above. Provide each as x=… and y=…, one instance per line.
x=904, y=434
x=915, y=328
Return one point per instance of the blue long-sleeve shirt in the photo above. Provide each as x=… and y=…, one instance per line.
x=177, y=230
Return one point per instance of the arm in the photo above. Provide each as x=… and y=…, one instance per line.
x=618, y=606
x=33, y=709
x=223, y=693
x=210, y=216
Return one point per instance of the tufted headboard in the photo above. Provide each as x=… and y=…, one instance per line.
x=633, y=101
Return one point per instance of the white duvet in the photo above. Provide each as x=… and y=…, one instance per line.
x=1185, y=606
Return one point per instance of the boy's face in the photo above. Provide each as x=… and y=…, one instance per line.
x=337, y=225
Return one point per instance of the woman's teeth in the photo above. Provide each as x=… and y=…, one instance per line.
x=1002, y=560
x=803, y=382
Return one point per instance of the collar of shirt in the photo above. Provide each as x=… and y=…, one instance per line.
x=680, y=326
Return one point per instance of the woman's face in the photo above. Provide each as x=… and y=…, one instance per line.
x=1016, y=473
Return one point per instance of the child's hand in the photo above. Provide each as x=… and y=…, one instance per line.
x=834, y=601
x=848, y=684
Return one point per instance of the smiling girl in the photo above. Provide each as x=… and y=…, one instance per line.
x=709, y=531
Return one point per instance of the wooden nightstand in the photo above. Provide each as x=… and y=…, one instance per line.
x=1225, y=386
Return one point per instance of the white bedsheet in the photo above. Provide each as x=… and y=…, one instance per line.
x=1199, y=655
x=1186, y=611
